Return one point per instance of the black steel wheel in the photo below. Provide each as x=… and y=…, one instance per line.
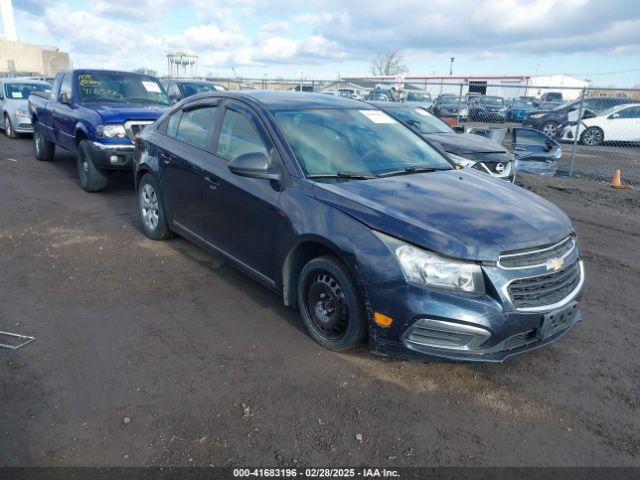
x=329, y=304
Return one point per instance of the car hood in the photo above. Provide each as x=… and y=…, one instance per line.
x=455, y=213
x=464, y=143
x=117, y=113
x=13, y=103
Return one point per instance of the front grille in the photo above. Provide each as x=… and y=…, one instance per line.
x=537, y=257
x=543, y=290
x=134, y=127
x=493, y=168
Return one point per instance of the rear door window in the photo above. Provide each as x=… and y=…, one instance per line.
x=195, y=126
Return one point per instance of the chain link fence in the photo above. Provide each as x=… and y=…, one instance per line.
x=566, y=131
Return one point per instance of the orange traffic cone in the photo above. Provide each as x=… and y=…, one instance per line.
x=616, y=181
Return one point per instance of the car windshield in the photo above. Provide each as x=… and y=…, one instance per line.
x=420, y=119
x=194, y=88
x=568, y=106
x=492, y=100
x=21, y=91
x=523, y=103
x=448, y=98
x=611, y=110
x=418, y=97
x=120, y=88
x=335, y=141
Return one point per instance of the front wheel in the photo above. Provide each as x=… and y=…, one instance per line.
x=92, y=179
x=8, y=128
x=592, y=137
x=151, y=209
x=329, y=304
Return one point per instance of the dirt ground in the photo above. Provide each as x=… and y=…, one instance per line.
x=210, y=368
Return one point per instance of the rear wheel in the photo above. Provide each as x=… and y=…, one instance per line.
x=151, y=209
x=92, y=179
x=8, y=128
x=592, y=136
x=42, y=150
x=550, y=128
x=330, y=305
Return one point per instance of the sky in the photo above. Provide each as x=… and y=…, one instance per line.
x=594, y=39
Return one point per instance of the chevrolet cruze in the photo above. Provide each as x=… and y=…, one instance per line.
x=362, y=225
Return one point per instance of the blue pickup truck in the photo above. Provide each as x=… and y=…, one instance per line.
x=97, y=114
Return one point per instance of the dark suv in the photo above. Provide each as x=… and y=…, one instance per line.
x=361, y=224
x=549, y=121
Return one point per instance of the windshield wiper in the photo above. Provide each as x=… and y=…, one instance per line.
x=352, y=175
x=410, y=170
x=104, y=99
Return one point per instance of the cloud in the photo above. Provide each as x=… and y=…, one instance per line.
x=262, y=32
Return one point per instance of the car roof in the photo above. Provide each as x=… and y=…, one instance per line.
x=274, y=100
x=29, y=81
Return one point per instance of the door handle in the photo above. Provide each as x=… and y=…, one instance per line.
x=212, y=181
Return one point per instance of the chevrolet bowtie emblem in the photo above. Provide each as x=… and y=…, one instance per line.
x=555, y=264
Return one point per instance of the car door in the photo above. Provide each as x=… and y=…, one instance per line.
x=182, y=155
x=623, y=125
x=63, y=115
x=534, y=151
x=241, y=213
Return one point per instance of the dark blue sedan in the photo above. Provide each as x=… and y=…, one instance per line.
x=361, y=224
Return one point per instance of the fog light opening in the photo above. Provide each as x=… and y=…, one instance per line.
x=113, y=158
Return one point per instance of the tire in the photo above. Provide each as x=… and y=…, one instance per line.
x=8, y=128
x=151, y=209
x=43, y=151
x=92, y=179
x=592, y=136
x=329, y=304
x=550, y=128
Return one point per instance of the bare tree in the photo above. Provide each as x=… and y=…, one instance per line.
x=388, y=64
x=146, y=71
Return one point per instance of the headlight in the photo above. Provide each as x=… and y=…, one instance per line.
x=503, y=109
x=21, y=113
x=111, y=131
x=426, y=268
x=537, y=115
x=465, y=162
x=464, y=112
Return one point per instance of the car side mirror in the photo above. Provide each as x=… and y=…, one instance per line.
x=174, y=98
x=255, y=165
x=458, y=129
x=64, y=98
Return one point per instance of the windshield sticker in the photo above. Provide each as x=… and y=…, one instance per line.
x=87, y=80
x=151, y=87
x=420, y=111
x=16, y=94
x=377, y=116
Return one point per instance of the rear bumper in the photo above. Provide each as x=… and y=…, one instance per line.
x=112, y=156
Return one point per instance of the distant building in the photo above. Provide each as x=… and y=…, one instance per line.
x=504, y=86
x=25, y=59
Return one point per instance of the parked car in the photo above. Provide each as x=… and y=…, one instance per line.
x=465, y=149
x=551, y=97
x=350, y=93
x=362, y=225
x=448, y=105
x=422, y=99
x=617, y=124
x=14, y=104
x=96, y=114
x=535, y=151
x=179, y=88
x=518, y=109
x=488, y=108
x=549, y=121
x=380, y=96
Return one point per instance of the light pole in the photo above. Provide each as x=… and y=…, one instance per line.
x=453, y=59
